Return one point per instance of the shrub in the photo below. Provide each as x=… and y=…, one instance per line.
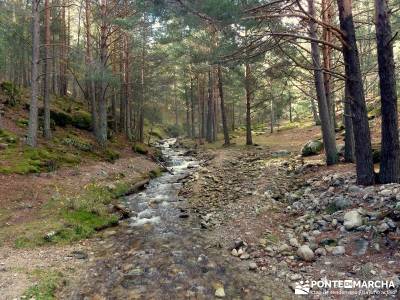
x=82, y=120
x=174, y=130
x=11, y=91
x=111, y=155
x=60, y=118
x=140, y=148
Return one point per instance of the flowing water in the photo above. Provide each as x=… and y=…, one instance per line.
x=166, y=255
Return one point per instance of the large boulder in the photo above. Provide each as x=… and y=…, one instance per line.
x=312, y=148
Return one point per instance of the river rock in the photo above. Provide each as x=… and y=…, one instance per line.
x=305, y=253
x=352, y=219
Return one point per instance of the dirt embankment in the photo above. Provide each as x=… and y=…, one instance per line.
x=32, y=206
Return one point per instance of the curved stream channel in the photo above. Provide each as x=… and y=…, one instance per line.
x=166, y=255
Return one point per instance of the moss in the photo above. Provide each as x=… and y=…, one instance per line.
x=111, y=155
x=21, y=122
x=60, y=118
x=46, y=286
x=140, y=148
x=155, y=173
x=81, y=120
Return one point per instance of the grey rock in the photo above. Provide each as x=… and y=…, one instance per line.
x=305, y=253
x=383, y=227
x=342, y=202
x=352, y=219
x=338, y=250
x=252, y=266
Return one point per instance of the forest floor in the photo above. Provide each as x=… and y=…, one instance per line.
x=234, y=231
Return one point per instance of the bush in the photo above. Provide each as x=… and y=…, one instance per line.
x=174, y=130
x=60, y=118
x=78, y=144
x=111, y=155
x=82, y=120
x=11, y=91
x=140, y=148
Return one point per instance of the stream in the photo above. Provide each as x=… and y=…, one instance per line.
x=165, y=254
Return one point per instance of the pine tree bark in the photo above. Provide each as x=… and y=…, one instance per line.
x=90, y=84
x=33, y=108
x=249, y=138
x=210, y=107
x=362, y=138
x=348, y=123
x=328, y=132
x=46, y=85
x=223, y=110
x=192, y=121
x=102, y=129
x=390, y=160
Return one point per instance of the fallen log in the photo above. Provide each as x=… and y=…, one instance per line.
x=138, y=186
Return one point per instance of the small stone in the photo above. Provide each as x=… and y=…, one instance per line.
x=220, y=292
x=385, y=193
x=252, y=266
x=383, y=227
x=305, y=253
x=320, y=252
x=244, y=256
x=352, y=219
x=234, y=252
x=341, y=203
x=294, y=242
x=338, y=250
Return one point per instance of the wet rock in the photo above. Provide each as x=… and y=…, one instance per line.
x=338, y=250
x=305, y=253
x=352, y=219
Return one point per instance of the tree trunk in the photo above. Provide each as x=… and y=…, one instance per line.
x=33, y=109
x=272, y=116
x=390, y=160
x=328, y=132
x=210, y=107
x=249, y=138
x=102, y=130
x=223, y=111
x=90, y=86
x=327, y=12
x=63, y=58
x=193, y=132
x=46, y=86
x=362, y=138
x=348, y=123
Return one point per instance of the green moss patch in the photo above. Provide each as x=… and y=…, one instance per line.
x=46, y=286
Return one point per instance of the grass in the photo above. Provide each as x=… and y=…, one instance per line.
x=66, y=219
x=46, y=286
